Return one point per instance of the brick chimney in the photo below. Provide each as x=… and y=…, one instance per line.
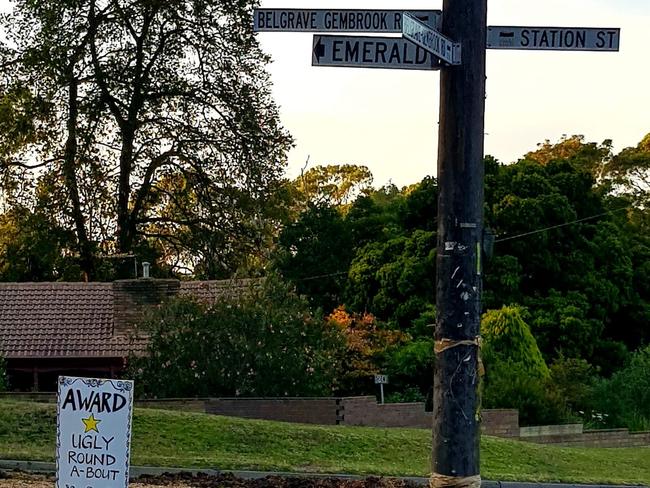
x=132, y=298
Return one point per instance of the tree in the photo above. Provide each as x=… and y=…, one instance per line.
x=625, y=397
x=367, y=342
x=32, y=248
x=630, y=172
x=314, y=254
x=335, y=184
x=160, y=110
x=394, y=279
x=590, y=156
x=507, y=338
x=516, y=375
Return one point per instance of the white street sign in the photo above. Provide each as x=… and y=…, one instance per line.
x=370, y=52
x=430, y=39
x=381, y=379
x=343, y=20
x=93, y=432
x=554, y=38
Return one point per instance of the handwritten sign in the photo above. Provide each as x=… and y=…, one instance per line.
x=93, y=432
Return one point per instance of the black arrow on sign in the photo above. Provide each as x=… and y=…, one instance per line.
x=319, y=50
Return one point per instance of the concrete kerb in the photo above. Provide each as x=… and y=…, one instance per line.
x=135, y=471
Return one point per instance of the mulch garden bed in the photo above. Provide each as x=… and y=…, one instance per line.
x=17, y=479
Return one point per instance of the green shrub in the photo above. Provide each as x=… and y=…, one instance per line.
x=264, y=342
x=4, y=384
x=409, y=394
x=625, y=397
x=575, y=380
x=516, y=375
x=410, y=367
x=539, y=402
x=507, y=338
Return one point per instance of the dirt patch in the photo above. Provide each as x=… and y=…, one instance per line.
x=14, y=479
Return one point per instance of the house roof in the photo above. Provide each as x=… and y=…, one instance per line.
x=55, y=320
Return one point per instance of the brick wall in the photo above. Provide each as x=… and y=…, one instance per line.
x=322, y=411
x=132, y=298
x=366, y=411
x=181, y=404
x=595, y=438
x=500, y=422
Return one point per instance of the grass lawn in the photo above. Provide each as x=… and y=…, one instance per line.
x=166, y=438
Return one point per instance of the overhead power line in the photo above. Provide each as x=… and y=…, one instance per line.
x=526, y=234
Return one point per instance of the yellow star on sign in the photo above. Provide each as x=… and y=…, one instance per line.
x=91, y=423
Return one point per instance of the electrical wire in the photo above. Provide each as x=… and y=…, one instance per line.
x=525, y=234
x=510, y=238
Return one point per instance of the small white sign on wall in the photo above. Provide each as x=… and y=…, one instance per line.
x=93, y=432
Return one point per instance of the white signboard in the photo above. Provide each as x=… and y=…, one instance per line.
x=381, y=379
x=344, y=20
x=370, y=52
x=554, y=38
x=93, y=432
x=430, y=39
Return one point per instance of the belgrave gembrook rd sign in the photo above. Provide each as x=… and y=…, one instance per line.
x=337, y=20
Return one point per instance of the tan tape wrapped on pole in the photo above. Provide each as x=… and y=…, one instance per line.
x=440, y=480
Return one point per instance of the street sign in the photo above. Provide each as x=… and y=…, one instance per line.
x=381, y=379
x=430, y=39
x=370, y=52
x=343, y=20
x=554, y=38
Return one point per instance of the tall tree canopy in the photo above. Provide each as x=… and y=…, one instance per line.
x=142, y=120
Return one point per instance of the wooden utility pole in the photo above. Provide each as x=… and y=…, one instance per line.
x=456, y=431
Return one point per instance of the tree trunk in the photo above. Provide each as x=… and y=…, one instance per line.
x=70, y=155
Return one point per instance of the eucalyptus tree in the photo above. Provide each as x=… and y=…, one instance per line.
x=156, y=123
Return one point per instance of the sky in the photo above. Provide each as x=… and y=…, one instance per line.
x=388, y=119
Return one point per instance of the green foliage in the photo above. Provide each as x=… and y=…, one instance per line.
x=4, y=383
x=314, y=253
x=407, y=395
x=561, y=325
x=516, y=374
x=574, y=378
x=394, y=279
x=410, y=367
x=262, y=343
x=31, y=247
x=507, y=339
x=334, y=184
x=630, y=172
x=509, y=385
x=420, y=208
x=625, y=397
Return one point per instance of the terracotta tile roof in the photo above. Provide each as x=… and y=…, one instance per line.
x=53, y=320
